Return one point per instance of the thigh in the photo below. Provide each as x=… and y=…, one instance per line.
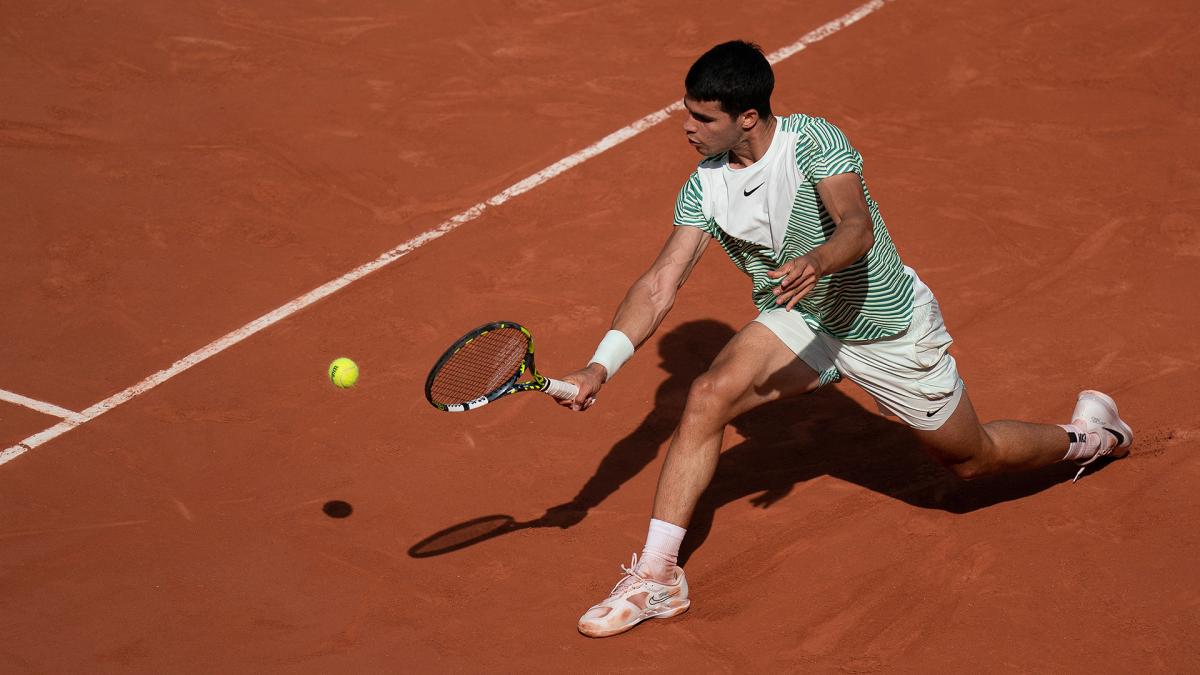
x=912, y=375
x=959, y=438
x=754, y=368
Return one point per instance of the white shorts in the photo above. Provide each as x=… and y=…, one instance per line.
x=910, y=375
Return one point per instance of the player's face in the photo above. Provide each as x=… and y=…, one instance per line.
x=709, y=129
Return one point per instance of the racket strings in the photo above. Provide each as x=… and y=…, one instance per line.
x=480, y=367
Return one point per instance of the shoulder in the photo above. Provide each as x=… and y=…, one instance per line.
x=815, y=130
x=791, y=124
x=822, y=149
x=812, y=134
x=689, y=204
x=692, y=185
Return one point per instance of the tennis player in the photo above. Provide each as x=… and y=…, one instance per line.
x=786, y=200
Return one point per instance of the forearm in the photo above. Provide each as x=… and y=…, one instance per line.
x=850, y=241
x=643, y=309
x=648, y=300
x=853, y=233
x=636, y=319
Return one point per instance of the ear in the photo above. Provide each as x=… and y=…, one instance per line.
x=748, y=119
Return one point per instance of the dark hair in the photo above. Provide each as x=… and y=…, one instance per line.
x=734, y=74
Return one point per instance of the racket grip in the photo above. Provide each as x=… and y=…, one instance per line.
x=560, y=390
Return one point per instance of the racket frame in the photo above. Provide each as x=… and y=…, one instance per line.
x=538, y=383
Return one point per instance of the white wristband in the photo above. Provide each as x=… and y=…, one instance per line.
x=614, y=350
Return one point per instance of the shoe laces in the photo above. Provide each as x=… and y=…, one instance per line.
x=1084, y=463
x=631, y=577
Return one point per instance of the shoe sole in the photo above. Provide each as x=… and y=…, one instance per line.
x=676, y=611
x=1110, y=406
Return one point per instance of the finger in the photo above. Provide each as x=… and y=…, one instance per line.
x=800, y=293
x=796, y=296
x=790, y=297
x=781, y=283
x=781, y=276
x=785, y=290
x=783, y=297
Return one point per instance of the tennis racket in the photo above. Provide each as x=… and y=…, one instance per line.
x=485, y=365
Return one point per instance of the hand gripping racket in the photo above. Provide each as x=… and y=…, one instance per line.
x=486, y=364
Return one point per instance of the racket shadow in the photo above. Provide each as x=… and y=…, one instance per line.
x=785, y=443
x=483, y=528
x=462, y=535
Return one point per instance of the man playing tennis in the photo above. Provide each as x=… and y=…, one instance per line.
x=786, y=200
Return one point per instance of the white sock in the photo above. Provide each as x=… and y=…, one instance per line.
x=1082, y=444
x=662, y=543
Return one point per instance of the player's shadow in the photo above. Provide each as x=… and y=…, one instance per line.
x=785, y=442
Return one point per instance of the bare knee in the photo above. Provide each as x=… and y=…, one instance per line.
x=969, y=469
x=710, y=400
x=968, y=456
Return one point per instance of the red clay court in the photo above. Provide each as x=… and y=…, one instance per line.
x=178, y=180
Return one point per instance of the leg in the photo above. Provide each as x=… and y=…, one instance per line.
x=914, y=377
x=753, y=369
x=971, y=449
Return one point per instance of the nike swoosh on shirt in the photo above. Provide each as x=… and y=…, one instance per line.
x=747, y=193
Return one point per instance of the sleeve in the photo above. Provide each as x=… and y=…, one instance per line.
x=689, y=205
x=822, y=150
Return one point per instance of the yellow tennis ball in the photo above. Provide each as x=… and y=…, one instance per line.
x=343, y=372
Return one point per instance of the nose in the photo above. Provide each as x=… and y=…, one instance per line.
x=689, y=126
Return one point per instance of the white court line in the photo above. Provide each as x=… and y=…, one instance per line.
x=40, y=406
x=327, y=289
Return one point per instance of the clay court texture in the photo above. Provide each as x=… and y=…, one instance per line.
x=204, y=203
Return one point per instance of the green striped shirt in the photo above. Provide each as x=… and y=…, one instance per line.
x=870, y=299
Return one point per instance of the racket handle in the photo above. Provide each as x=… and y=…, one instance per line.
x=560, y=390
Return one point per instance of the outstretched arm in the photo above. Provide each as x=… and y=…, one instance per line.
x=646, y=303
x=651, y=297
x=852, y=237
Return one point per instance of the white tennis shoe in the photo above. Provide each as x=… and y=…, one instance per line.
x=1097, y=412
x=633, y=600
